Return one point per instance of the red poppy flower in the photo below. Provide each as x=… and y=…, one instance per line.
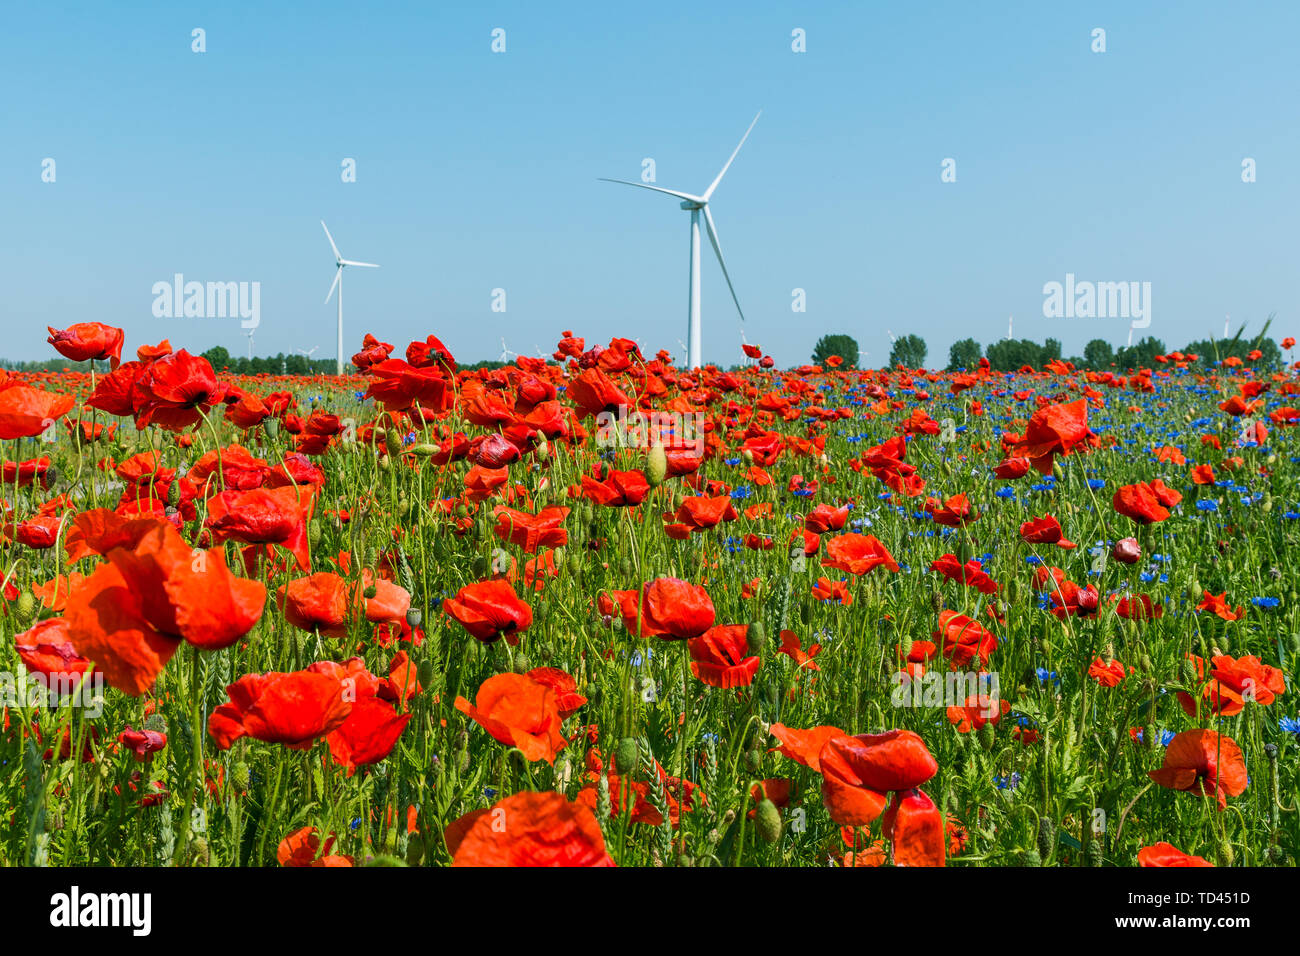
x=857, y=554
x=531, y=532
x=1203, y=762
x=519, y=712
x=490, y=610
x=804, y=746
x=567, y=698
x=1166, y=854
x=964, y=639
x=916, y=827
x=174, y=392
x=264, y=516
x=1145, y=503
x=672, y=609
x=132, y=613
x=398, y=385
x=303, y=848
x=88, y=341
x=1106, y=674
x=294, y=709
x=620, y=489
x=1053, y=430
x=1044, y=530
x=368, y=735
x=45, y=649
x=824, y=518
x=528, y=829
x=720, y=657
x=317, y=602
x=25, y=412
x=971, y=573
x=827, y=590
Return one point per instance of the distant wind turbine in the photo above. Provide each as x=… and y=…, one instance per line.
x=1010, y=319
x=695, y=205
x=307, y=352
x=249, y=333
x=340, y=262
x=505, y=352
x=1130, y=335
x=892, y=337
x=1225, y=326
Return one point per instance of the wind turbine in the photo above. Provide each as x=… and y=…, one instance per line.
x=249, y=333
x=505, y=352
x=308, y=353
x=1010, y=320
x=340, y=262
x=696, y=205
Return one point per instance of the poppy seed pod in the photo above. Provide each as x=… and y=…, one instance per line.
x=414, y=616
x=767, y=819
x=271, y=427
x=656, y=465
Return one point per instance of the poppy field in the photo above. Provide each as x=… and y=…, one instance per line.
x=595, y=610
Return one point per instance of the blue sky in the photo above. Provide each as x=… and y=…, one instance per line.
x=478, y=171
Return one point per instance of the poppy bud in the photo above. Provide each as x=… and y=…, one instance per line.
x=905, y=645
x=656, y=465
x=1057, y=471
x=414, y=849
x=1030, y=857
x=199, y=852
x=424, y=672
x=543, y=450
x=1046, y=836
x=1145, y=665
x=384, y=465
x=1126, y=551
x=424, y=450
x=768, y=821
x=25, y=605
x=1096, y=852
x=392, y=442
x=754, y=758
x=756, y=638
x=626, y=756
x=521, y=665
x=314, y=533
x=174, y=494
x=1194, y=592
x=1189, y=672
x=986, y=735
x=370, y=592
x=1225, y=853
x=1276, y=854
x=462, y=510
x=480, y=566
x=156, y=722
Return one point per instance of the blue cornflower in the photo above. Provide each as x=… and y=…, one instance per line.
x=1207, y=504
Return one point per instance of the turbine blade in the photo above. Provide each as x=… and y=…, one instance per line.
x=338, y=274
x=337, y=254
x=349, y=262
x=659, y=189
x=714, y=185
x=717, y=249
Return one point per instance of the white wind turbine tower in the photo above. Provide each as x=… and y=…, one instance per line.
x=505, y=352
x=340, y=262
x=696, y=205
x=249, y=333
x=1010, y=320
